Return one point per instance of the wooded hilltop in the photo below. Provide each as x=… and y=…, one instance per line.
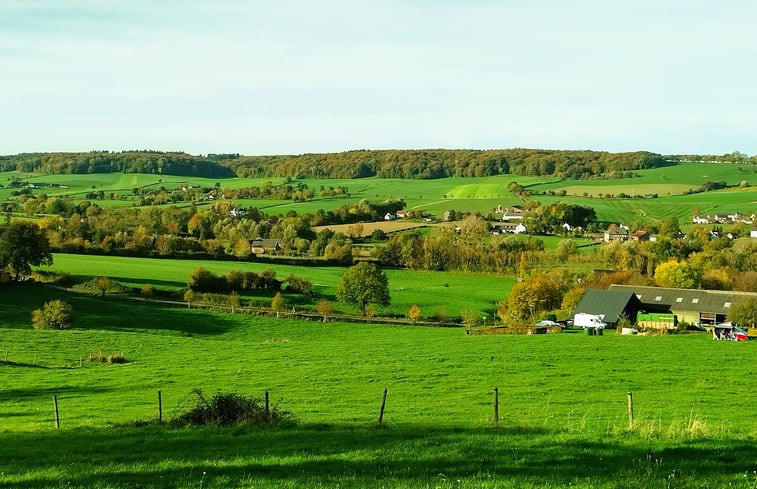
x=416, y=164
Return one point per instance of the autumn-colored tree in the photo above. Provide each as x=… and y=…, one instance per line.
x=234, y=300
x=571, y=299
x=277, y=303
x=414, y=313
x=324, y=308
x=104, y=284
x=190, y=296
x=55, y=314
x=677, y=274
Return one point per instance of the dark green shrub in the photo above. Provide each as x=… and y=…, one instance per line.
x=232, y=409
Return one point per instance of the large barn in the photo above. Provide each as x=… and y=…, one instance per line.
x=612, y=304
x=703, y=307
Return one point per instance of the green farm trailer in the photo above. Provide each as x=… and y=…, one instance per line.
x=656, y=320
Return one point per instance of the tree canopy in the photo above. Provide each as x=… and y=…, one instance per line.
x=363, y=284
x=23, y=244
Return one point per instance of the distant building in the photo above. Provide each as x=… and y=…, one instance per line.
x=640, y=235
x=612, y=305
x=262, y=246
x=703, y=307
x=389, y=216
x=619, y=233
x=512, y=213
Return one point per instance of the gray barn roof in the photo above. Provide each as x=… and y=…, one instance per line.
x=713, y=301
x=611, y=303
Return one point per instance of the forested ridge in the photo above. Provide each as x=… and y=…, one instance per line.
x=421, y=164
x=416, y=164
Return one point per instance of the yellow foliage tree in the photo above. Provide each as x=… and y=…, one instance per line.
x=414, y=313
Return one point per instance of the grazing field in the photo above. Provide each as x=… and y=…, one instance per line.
x=370, y=227
x=563, y=404
x=429, y=290
x=473, y=194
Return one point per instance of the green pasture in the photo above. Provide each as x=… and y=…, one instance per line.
x=429, y=290
x=563, y=404
x=474, y=194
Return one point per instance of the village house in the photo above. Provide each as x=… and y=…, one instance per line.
x=640, y=235
x=263, y=246
x=619, y=233
x=238, y=212
x=512, y=213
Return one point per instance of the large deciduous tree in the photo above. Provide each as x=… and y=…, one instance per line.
x=363, y=284
x=23, y=244
x=677, y=274
x=744, y=312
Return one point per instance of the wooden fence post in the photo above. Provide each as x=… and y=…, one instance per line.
x=35, y=359
x=160, y=407
x=381, y=411
x=630, y=410
x=267, y=408
x=496, y=407
x=57, y=417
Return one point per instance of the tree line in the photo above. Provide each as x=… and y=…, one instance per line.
x=414, y=164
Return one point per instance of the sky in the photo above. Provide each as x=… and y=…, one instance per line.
x=290, y=77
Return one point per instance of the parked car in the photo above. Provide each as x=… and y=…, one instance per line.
x=729, y=331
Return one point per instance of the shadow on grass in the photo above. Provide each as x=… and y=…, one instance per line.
x=110, y=313
x=42, y=392
x=157, y=456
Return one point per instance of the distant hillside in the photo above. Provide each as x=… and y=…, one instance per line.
x=415, y=164
x=439, y=163
x=106, y=162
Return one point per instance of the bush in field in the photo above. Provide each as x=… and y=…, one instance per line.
x=113, y=357
x=277, y=303
x=470, y=318
x=203, y=280
x=105, y=284
x=234, y=300
x=299, y=285
x=232, y=409
x=55, y=314
x=147, y=291
x=190, y=296
x=324, y=308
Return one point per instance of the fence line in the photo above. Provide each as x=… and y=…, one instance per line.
x=495, y=420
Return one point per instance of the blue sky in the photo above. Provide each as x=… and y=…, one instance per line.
x=272, y=77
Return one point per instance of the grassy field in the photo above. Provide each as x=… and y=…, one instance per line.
x=429, y=290
x=475, y=194
x=562, y=404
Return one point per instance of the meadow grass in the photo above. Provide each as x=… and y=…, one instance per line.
x=471, y=194
x=452, y=291
x=562, y=404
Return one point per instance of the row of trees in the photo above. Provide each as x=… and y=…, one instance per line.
x=424, y=164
